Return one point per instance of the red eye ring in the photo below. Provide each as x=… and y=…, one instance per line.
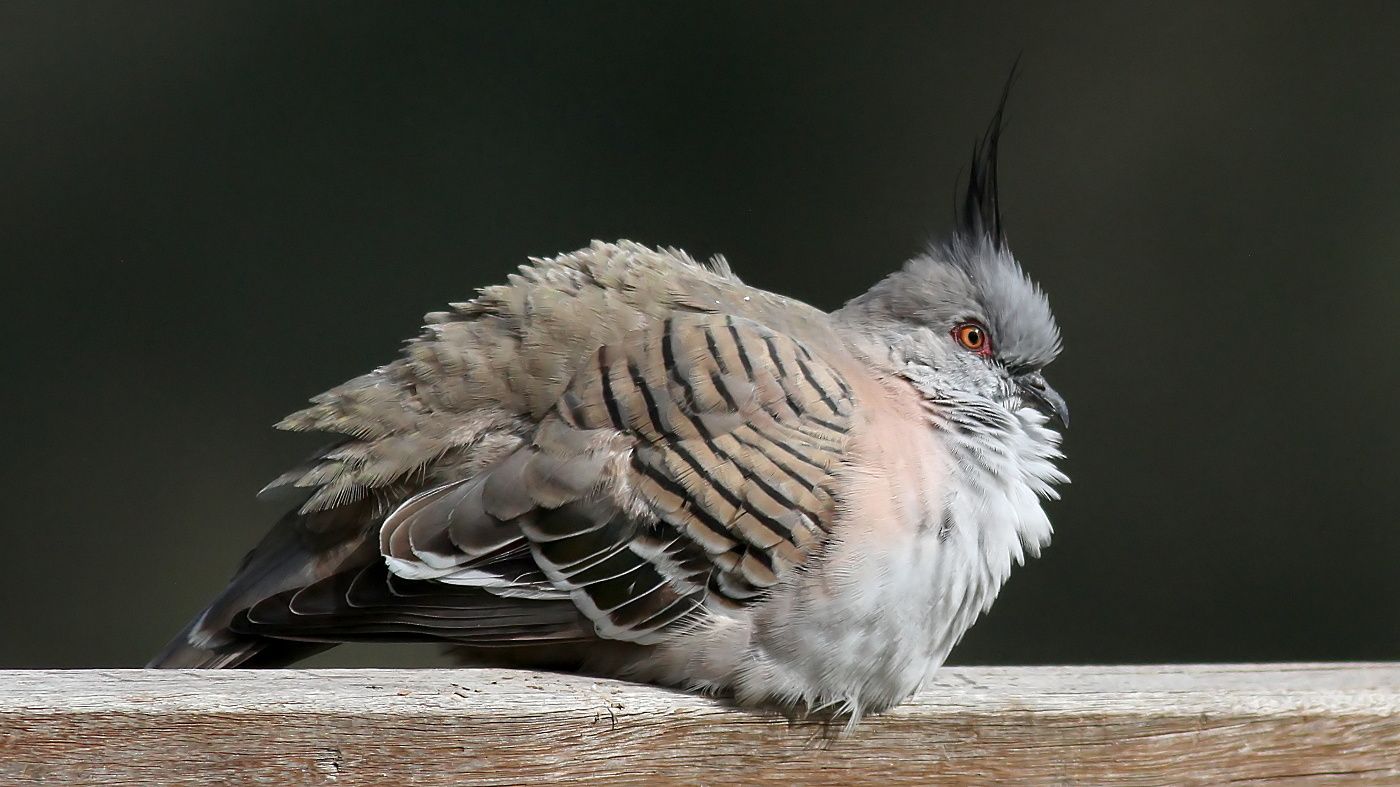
x=973, y=337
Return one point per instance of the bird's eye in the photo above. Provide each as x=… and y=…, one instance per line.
x=972, y=336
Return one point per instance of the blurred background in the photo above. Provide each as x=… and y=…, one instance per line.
x=212, y=211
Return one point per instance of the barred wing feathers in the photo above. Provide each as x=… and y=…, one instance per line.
x=684, y=471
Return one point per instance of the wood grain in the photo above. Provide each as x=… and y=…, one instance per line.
x=1306, y=723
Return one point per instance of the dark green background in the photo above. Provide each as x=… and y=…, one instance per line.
x=209, y=212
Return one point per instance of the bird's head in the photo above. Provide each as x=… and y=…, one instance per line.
x=962, y=319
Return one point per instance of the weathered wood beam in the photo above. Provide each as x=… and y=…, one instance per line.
x=1174, y=724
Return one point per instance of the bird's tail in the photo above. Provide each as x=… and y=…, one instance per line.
x=300, y=550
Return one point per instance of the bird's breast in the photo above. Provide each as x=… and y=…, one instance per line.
x=895, y=478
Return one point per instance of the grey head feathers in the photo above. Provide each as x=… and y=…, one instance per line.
x=994, y=290
x=971, y=276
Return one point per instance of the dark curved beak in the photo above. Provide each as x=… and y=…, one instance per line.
x=1038, y=394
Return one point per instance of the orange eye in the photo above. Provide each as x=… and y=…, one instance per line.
x=973, y=337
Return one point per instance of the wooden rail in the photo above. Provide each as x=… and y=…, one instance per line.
x=1307, y=723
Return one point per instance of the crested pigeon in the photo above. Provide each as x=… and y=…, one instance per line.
x=628, y=463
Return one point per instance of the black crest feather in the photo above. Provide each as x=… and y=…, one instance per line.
x=981, y=211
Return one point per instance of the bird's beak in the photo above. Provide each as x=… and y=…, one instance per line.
x=1038, y=394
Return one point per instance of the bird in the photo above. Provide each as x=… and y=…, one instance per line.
x=626, y=462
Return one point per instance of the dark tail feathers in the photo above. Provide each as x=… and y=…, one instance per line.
x=298, y=551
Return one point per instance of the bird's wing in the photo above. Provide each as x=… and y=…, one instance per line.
x=687, y=468
x=480, y=386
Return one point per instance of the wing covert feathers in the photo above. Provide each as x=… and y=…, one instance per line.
x=686, y=468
